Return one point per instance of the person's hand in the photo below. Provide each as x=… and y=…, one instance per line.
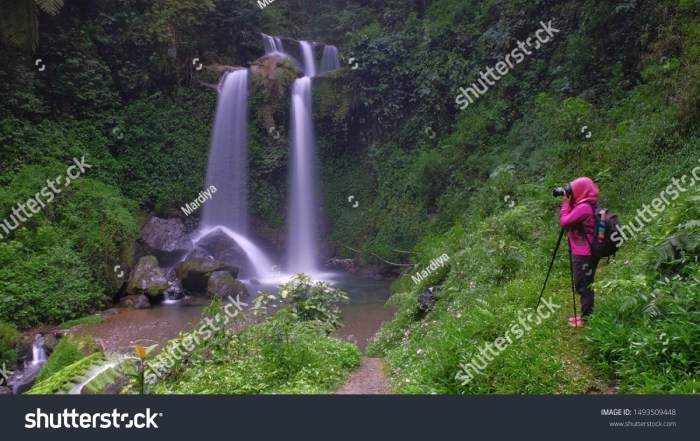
x=565, y=200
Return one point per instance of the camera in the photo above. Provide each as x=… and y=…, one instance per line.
x=562, y=191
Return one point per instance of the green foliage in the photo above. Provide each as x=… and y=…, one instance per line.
x=64, y=380
x=314, y=301
x=47, y=283
x=289, y=352
x=9, y=337
x=153, y=131
x=69, y=350
x=87, y=320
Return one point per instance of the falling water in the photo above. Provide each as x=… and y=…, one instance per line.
x=273, y=45
x=309, y=60
x=259, y=261
x=228, y=157
x=302, y=206
x=329, y=61
x=228, y=169
x=38, y=351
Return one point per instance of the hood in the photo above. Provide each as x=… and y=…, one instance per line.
x=584, y=191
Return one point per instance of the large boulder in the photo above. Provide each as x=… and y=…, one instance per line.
x=194, y=274
x=137, y=301
x=220, y=246
x=147, y=278
x=166, y=238
x=198, y=253
x=224, y=285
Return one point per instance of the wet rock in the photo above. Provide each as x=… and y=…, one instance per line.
x=50, y=342
x=222, y=247
x=136, y=301
x=4, y=390
x=166, y=238
x=198, y=253
x=110, y=311
x=224, y=285
x=194, y=274
x=147, y=278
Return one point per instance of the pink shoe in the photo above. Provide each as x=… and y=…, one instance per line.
x=576, y=322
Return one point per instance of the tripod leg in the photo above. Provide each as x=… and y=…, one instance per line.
x=573, y=288
x=551, y=263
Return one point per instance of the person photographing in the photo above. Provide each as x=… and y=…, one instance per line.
x=577, y=215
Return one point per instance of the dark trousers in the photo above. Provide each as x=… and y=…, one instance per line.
x=583, y=268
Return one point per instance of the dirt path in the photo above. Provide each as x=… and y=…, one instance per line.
x=368, y=379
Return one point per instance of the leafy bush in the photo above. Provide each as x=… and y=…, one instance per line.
x=314, y=301
x=282, y=353
x=9, y=337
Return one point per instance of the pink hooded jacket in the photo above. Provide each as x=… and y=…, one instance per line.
x=579, y=212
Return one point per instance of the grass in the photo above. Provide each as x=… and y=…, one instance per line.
x=87, y=320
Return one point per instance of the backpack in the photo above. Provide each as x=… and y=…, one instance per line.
x=427, y=298
x=606, y=224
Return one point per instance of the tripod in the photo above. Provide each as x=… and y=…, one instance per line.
x=551, y=264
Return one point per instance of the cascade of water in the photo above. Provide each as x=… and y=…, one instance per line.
x=259, y=261
x=228, y=157
x=228, y=170
x=38, y=350
x=303, y=243
x=273, y=45
x=329, y=60
x=307, y=51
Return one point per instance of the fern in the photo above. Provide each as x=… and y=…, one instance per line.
x=401, y=299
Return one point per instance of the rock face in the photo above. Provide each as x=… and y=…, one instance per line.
x=224, y=285
x=166, y=238
x=198, y=253
x=223, y=248
x=194, y=274
x=137, y=301
x=147, y=278
x=271, y=78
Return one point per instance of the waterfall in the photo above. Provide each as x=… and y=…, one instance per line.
x=38, y=351
x=309, y=60
x=302, y=244
x=273, y=45
x=228, y=170
x=329, y=61
x=259, y=261
x=228, y=157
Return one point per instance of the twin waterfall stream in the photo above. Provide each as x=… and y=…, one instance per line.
x=228, y=164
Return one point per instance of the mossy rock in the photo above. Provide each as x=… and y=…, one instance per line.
x=195, y=273
x=147, y=278
x=101, y=371
x=69, y=350
x=224, y=285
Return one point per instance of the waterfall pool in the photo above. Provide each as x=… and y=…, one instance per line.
x=363, y=316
